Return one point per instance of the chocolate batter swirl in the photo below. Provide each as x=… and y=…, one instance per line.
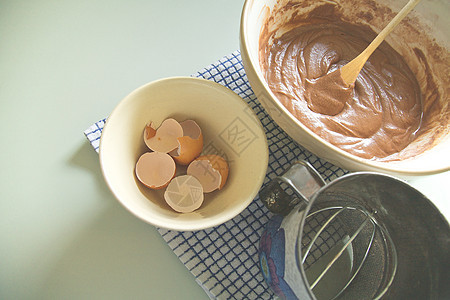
x=376, y=119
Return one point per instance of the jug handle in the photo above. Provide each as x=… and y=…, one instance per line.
x=301, y=177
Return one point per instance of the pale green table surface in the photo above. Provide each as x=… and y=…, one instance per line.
x=63, y=66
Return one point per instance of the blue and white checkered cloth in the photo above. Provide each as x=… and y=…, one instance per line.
x=224, y=259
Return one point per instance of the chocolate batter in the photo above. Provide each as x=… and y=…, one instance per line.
x=374, y=119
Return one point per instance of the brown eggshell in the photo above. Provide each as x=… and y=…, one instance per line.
x=190, y=145
x=149, y=131
x=210, y=170
x=218, y=163
x=184, y=194
x=165, y=138
x=155, y=169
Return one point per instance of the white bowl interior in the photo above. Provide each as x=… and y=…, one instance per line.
x=431, y=21
x=229, y=126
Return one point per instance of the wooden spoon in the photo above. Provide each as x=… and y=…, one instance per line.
x=328, y=94
x=350, y=71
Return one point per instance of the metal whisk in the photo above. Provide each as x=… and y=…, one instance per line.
x=341, y=243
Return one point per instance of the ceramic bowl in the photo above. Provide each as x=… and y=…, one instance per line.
x=230, y=128
x=429, y=18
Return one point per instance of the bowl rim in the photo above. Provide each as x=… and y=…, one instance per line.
x=201, y=223
x=362, y=163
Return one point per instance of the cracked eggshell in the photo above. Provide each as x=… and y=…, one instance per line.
x=184, y=194
x=155, y=169
x=163, y=139
x=211, y=170
x=190, y=144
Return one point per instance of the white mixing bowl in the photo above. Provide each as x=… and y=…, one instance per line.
x=430, y=19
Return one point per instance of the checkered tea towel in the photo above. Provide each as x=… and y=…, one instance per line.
x=224, y=259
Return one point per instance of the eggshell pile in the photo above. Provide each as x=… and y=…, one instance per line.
x=180, y=143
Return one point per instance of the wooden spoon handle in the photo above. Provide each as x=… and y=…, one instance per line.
x=350, y=71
